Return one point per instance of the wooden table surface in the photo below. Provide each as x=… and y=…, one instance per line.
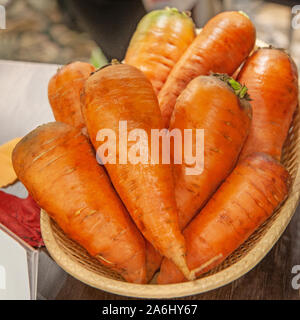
x=24, y=105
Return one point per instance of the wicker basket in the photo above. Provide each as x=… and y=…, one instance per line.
x=77, y=262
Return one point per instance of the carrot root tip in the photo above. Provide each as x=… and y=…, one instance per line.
x=206, y=264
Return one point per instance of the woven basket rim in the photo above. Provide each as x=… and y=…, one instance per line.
x=207, y=283
x=219, y=279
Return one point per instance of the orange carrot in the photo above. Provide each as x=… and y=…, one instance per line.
x=64, y=92
x=158, y=42
x=272, y=79
x=153, y=261
x=225, y=116
x=121, y=92
x=249, y=196
x=225, y=41
x=57, y=165
x=209, y=103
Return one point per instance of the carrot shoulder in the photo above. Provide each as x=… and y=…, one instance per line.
x=158, y=42
x=223, y=44
x=57, y=165
x=211, y=104
x=123, y=93
x=272, y=81
x=64, y=90
x=248, y=197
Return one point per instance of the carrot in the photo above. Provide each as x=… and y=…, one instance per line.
x=225, y=41
x=64, y=92
x=153, y=261
x=209, y=103
x=158, y=42
x=57, y=165
x=272, y=79
x=121, y=92
x=249, y=196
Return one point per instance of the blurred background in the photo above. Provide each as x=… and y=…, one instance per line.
x=60, y=31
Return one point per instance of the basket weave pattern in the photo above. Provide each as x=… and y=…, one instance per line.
x=75, y=260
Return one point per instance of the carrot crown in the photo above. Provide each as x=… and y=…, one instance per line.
x=175, y=10
x=113, y=62
x=244, y=14
x=240, y=90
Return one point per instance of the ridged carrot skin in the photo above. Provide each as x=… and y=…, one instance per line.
x=160, y=39
x=64, y=92
x=121, y=92
x=58, y=166
x=249, y=196
x=223, y=44
x=272, y=80
x=210, y=104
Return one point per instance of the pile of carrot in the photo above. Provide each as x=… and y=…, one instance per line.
x=143, y=217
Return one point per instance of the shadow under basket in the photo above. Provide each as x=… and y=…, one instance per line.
x=76, y=261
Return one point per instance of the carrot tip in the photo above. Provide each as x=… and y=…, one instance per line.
x=206, y=264
x=105, y=260
x=188, y=274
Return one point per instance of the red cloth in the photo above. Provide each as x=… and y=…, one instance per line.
x=22, y=217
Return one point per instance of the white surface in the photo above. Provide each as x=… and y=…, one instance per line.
x=23, y=106
x=24, y=102
x=24, y=99
x=14, y=278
